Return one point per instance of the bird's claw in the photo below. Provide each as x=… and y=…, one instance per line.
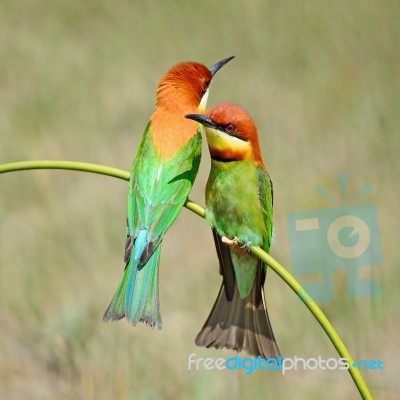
x=235, y=242
x=246, y=247
x=230, y=242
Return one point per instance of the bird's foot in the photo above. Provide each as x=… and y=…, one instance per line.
x=235, y=242
x=230, y=242
x=246, y=247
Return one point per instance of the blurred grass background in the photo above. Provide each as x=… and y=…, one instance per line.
x=77, y=82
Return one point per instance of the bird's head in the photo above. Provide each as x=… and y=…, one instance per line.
x=231, y=134
x=187, y=84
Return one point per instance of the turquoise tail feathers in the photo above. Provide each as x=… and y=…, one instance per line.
x=141, y=298
x=137, y=296
x=116, y=309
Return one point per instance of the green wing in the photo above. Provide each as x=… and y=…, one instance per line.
x=265, y=194
x=158, y=190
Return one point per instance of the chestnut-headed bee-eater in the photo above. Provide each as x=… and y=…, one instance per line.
x=239, y=209
x=162, y=175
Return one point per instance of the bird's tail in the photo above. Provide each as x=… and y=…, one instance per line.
x=137, y=295
x=240, y=324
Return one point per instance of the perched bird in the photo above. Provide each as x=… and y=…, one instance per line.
x=162, y=175
x=239, y=210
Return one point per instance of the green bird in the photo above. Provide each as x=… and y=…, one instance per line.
x=239, y=209
x=162, y=176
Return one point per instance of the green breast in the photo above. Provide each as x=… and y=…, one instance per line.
x=236, y=210
x=232, y=203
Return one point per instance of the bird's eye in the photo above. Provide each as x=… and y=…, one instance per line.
x=230, y=128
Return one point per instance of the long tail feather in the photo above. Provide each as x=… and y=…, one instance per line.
x=137, y=296
x=240, y=324
x=142, y=302
x=116, y=310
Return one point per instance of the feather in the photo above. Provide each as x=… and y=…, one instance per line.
x=240, y=324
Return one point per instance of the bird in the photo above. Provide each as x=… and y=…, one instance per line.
x=162, y=175
x=239, y=201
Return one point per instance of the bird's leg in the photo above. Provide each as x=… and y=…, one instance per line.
x=235, y=242
x=230, y=242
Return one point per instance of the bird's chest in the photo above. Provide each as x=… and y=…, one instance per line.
x=232, y=205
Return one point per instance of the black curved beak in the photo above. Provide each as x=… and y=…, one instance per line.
x=202, y=119
x=213, y=69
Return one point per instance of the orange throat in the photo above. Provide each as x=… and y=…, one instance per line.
x=170, y=130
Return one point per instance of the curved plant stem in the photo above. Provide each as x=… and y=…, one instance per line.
x=258, y=252
x=319, y=316
x=70, y=165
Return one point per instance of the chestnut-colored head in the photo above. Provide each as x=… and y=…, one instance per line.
x=182, y=90
x=231, y=134
x=183, y=85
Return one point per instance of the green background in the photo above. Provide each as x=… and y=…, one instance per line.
x=77, y=82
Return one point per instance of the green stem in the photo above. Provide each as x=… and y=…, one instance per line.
x=69, y=165
x=262, y=255
x=319, y=315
